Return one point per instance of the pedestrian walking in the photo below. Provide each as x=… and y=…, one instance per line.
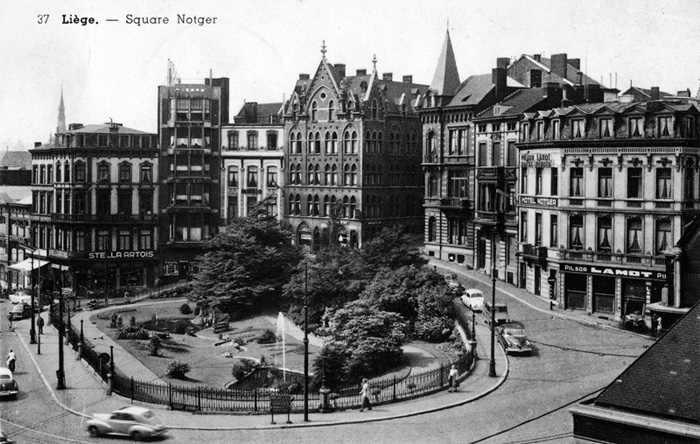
x=40, y=324
x=364, y=395
x=9, y=318
x=659, y=327
x=453, y=379
x=11, y=360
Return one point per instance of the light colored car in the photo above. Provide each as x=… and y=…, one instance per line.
x=473, y=298
x=21, y=311
x=8, y=385
x=21, y=296
x=137, y=422
x=512, y=337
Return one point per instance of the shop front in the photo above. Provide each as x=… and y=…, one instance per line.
x=607, y=290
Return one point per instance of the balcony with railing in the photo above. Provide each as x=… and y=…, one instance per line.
x=106, y=218
x=535, y=253
x=612, y=258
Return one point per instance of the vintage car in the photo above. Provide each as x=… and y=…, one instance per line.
x=20, y=296
x=136, y=422
x=8, y=385
x=473, y=298
x=511, y=336
x=21, y=311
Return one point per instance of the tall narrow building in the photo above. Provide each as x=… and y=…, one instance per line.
x=189, y=130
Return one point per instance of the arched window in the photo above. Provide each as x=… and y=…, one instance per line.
x=328, y=144
x=314, y=111
x=334, y=175
x=316, y=206
x=432, y=229
x=430, y=144
x=353, y=206
x=297, y=205
x=317, y=143
x=346, y=206
x=380, y=143
x=347, y=142
x=353, y=176
x=375, y=110
x=346, y=175
x=369, y=143
x=331, y=110
x=317, y=174
x=310, y=173
x=124, y=172
x=334, y=143
x=326, y=206
x=327, y=175
x=292, y=174
x=309, y=205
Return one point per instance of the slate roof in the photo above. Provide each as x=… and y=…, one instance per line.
x=548, y=75
x=16, y=160
x=473, y=90
x=665, y=380
x=105, y=128
x=517, y=103
x=644, y=92
x=253, y=112
x=446, y=78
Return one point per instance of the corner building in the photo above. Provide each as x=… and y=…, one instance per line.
x=189, y=130
x=627, y=186
x=354, y=144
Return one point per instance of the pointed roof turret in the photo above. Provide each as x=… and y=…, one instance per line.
x=446, y=79
x=61, y=128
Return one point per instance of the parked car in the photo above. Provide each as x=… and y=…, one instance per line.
x=500, y=313
x=512, y=337
x=8, y=385
x=21, y=311
x=137, y=422
x=633, y=318
x=4, y=439
x=20, y=296
x=473, y=298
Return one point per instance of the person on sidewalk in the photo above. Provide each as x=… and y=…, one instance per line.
x=9, y=318
x=453, y=379
x=364, y=395
x=11, y=360
x=40, y=324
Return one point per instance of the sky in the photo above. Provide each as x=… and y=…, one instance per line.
x=111, y=70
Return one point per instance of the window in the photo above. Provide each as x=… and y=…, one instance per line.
x=634, y=183
x=331, y=110
x=540, y=130
x=576, y=232
x=103, y=172
x=124, y=172
x=554, y=181
x=80, y=240
x=272, y=176
x=523, y=180
x=464, y=141
x=233, y=140
x=482, y=128
x=576, y=186
x=102, y=240
x=252, y=181
x=604, y=233
x=49, y=174
x=636, y=127
x=606, y=127
x=665, y=126
x=66, y=173
x=432, y=229
x=525, y=132
x=555, y=129
x=523, y=226
x=124, y=202
x=663, y=183
x=553, y=230
x=124, y=240
x=577, y=128
x=375, y=110
x=80, y=172
x=689, y=184
x=314, y=111
x=663, y=235
x=512, y=155
x=252, y=140
x=42, y=176
x=350, y=142
x=146, y=240
x=483, y=154
x=145, y=202
x=58, y=172
x=538, y=229
x=538, y=181
x=605, y=185
x=497, y=157
x=432, y=186
x=634, y=235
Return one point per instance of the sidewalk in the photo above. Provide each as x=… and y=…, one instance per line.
x=86, y=394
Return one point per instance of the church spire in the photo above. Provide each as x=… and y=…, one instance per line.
x=61, y=128
x=446, y=79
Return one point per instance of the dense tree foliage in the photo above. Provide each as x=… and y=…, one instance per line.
x=392, y=248
x=245, y=265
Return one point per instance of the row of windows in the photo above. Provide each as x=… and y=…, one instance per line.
x=373, y=143
x=43, y=202
x=457, y=185
x=105, y=140
x=331, y=112
x=251, y=177
x=495, y=156
x=605, y=240
x=190, y=137
x=313, y=205
x=330, y=175
x=44, y=174
x=252, y=140
x=609, y=127
x=123, y=239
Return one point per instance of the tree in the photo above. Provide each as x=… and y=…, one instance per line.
x=391, y=248
x=246, y=265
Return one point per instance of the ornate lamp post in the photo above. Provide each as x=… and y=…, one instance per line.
x=492, y=362
x=60, y=375
x=306, y=342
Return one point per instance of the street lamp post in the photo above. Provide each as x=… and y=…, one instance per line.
x=492, y=362
x=60, y=375
x=306, y=342
x=32, y=328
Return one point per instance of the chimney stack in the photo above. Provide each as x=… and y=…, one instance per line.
x=340, y=67
x=36, y=145
x=499, y=77
x=559, y=64
x=361, y=72
x=576, y=63
x=654, y=93
x=537, y=57
x=388, y=76
x=408, y=79
x=303, y=77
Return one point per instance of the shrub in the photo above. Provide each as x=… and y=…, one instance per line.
x=113, y=321
x=185, y=309
x=242, y=368
x=132, y=321
x=132, y=333
x=154, y=345
x=178, y=369
x=120, y=322
x=268, y=337
x=197, y=309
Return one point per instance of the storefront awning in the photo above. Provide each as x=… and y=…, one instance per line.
x=661, y=308
x=29, y=264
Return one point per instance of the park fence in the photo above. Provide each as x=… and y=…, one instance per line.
x=212, y=399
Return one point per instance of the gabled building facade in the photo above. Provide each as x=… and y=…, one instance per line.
x=352, y=153
x=251, y=157
x=627, y=185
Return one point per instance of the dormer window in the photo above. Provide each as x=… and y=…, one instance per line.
x=540, y=130
x=555, y=129
x=577, y=128
x=636, y=127
x=525, y=136
x=665, y=126
x=606, y=127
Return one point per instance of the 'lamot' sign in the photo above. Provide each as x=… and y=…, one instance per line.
x=613, y=271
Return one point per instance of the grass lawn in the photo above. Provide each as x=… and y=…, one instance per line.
x=210, y=364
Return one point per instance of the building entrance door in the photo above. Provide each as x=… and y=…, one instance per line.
x=538, y=280
x=481, y=254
